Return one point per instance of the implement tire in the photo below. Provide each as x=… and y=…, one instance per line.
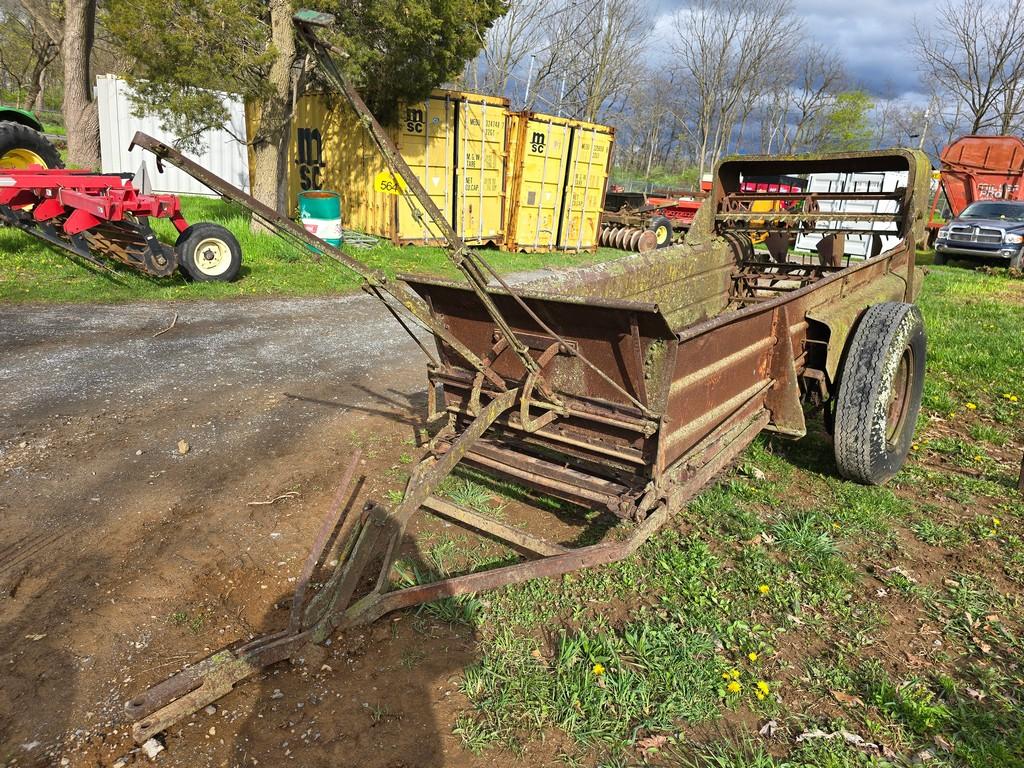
x=209, y=253
x=880, y=389
x=21, y=146
x=661, y=226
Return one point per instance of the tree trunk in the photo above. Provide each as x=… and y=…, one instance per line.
x=44, y=56
x=81, y=117
x=270, y=139
x=36, y=93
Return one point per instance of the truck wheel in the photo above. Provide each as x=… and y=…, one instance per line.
x=880, y=392
x=939, y=259
x=21, y=146
x=1017, y=261
x=662, y=228
x=209, y=252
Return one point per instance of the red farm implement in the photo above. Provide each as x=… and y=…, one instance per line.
x=103, y=217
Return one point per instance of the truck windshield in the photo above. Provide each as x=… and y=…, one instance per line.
x=994, y=210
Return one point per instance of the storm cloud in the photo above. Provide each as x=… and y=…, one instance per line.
x=873, y=37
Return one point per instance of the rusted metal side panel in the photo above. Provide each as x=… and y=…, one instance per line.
x=603, y=331
x=837, y=305
x=715, y=375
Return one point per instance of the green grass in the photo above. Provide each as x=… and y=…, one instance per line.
x=975, y=349
x=33, y=271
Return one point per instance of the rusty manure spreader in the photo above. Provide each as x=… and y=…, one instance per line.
x=626, y=387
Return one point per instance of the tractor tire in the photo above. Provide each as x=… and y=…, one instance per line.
x=662, y=228
x=21, y=146
x=880, y=387
x=208, y=253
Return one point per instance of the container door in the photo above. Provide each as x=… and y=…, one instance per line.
x=426, y=139
x=587, y=175
x=480, y=169
x=542, y=154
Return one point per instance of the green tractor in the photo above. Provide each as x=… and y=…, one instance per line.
x=22, y=142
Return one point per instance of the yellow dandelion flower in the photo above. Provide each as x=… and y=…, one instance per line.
x=734, y=687
x=764, y=589
x=752, y=656
x=977, y=458
x=598, y=669
x=996, y=522
x=762, y=687
x=725, y=676
x=1013, y=398
x=760, y=696
x=971, y=406
x=914, y=446
x=734, y=674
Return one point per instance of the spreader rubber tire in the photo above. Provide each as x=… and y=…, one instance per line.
x=880, y=392
x=209, y=252
x=18, y=143
x=662, y=228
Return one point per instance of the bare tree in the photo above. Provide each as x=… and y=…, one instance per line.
x=725, y=49
x=648, y=139
x=25, y=53
x=820, y=75
x=595, y=54
x=974, y=51
x=507, y=45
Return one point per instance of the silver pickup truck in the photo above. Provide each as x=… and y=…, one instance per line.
x=986, y=230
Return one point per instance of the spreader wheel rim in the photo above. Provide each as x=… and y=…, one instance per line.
x=212, y=256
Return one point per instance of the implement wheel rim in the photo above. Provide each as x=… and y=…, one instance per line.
x=20, y=158
x=899, y=400
x=212, y=256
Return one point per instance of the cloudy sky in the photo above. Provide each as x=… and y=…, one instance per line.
x=872, y=36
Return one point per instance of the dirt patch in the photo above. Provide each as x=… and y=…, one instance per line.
x=122, y=558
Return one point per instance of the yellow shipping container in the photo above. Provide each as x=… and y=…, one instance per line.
x=558, y=170
x=454, y=143
x=589, y=162
x=538, y=149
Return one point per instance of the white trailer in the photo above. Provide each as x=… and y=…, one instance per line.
x=857, y=246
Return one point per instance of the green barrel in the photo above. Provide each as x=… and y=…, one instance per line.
x=320, y=211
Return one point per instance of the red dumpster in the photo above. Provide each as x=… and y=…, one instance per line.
x=982, y=168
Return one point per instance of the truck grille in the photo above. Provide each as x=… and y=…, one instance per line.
x=968, y=234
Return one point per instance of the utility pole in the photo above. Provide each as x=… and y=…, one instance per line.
x=927, y=121
x=529, y=77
